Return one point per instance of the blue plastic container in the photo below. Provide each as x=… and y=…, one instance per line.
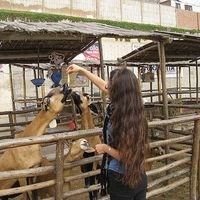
x=56, y=78
x=38, y=81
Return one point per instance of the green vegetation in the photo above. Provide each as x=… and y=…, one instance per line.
x=7, y=15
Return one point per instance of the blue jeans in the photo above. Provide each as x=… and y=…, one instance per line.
x=119, y=191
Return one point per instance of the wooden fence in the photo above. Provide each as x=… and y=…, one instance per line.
x=182, y=168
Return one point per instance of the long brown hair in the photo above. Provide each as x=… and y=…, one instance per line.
x=129, y=125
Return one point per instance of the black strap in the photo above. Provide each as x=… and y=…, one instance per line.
x=104, y=175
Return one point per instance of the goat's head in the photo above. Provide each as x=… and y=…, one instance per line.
x=82, y=102
x=78, y=147
x=56, y=98
x=158, y=151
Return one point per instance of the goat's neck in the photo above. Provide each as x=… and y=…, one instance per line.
x=87, y=121
x=71, y=156
x=38, y=125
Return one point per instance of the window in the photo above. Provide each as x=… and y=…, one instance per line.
x=188, y=7
x=178, y=6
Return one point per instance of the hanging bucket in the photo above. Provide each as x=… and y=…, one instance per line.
x=38, y=81
x=56, y=77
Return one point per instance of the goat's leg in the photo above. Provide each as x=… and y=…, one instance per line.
x=89, y=180
x=23, y=182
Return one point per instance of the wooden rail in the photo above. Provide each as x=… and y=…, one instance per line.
x=184, y=160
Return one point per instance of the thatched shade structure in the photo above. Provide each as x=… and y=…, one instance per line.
x=22, y=42
x=179, y=48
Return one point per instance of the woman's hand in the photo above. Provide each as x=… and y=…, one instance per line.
x=101, y=148
x=73, y=68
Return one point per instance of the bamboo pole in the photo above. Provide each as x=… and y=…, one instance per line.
x=12, y=91
x=195, y=159
x=59, y=169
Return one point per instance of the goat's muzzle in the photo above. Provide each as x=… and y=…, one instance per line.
x=66, y=92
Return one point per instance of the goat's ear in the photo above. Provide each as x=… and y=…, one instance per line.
x=87, y=96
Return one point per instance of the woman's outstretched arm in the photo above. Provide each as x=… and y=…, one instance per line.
x=100, y=83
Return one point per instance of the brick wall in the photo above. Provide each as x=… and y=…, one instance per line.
x=187, y=19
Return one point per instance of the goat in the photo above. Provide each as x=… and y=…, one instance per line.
x=83, y=104
x=76, y=149
x=21, y=157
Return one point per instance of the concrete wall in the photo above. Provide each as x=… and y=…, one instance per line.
x=119, y=10
x=110, y=10
x=168, y=16
x=151, y=14
x=131, y=11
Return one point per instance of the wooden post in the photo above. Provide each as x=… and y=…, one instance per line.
x=12, y=129
x=151, y=89
x=197, y=83
x=180, y=82
x=59, y=169
x=43, y=86
x=161, y=50
x=24, y=89
x=177, y=82
x=139, y=76
x=102, y=72
x=12, y=92
x=159, y=83
x=163, y=77
x=36, y=88
x=195, y=160
x=189, y=69
x=91, y=84
x=199, y=173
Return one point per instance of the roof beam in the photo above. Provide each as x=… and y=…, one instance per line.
x=43, y=36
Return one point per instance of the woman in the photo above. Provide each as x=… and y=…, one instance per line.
x=126, y=133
